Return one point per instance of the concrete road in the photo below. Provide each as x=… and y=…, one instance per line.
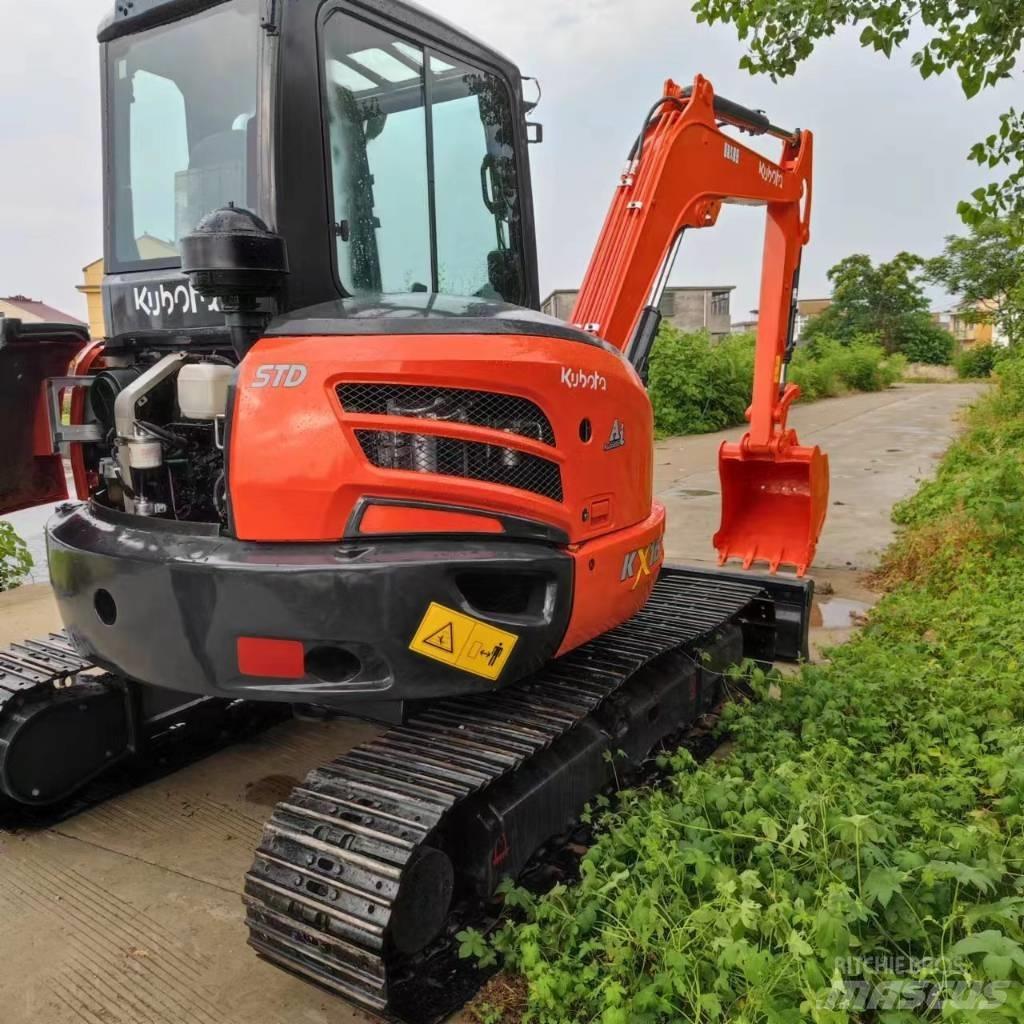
x=131, y=913
x=880, y=447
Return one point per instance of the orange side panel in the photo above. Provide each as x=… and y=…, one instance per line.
x=297, y=469
x=380, y=519
x=614, y=578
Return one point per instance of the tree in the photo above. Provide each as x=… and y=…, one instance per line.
x=15, y=561
x=985, y=270
x=979, y=40
x=885, y=302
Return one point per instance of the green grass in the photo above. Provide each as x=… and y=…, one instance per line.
x=866, y=825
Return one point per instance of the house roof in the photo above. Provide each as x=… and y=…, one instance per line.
x=35, y=308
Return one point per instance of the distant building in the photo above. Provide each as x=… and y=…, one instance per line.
x=968, y=331
x=32, y=311
x=806, y=309
x=91, y=288
x=746, y=326
x=687, y=308
x=150, y=248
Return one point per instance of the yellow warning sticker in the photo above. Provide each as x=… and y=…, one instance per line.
x=463, y=642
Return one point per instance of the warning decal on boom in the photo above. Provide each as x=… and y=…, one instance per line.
x=463, y=642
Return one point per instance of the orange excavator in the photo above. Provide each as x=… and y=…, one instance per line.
x=331, y=456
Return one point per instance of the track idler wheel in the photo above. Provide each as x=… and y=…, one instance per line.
x=422, y=907
x=53, y=743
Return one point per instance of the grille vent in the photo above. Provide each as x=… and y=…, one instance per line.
x=476, y=408
x=469, y=459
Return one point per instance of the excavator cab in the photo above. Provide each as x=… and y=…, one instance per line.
x=384, y=145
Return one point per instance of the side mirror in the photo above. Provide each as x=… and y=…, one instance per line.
x=232, y=256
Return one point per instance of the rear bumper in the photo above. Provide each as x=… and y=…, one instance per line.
x=167, y=605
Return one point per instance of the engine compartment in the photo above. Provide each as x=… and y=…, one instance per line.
x=162, y=422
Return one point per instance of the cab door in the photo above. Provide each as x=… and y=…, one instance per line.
x=31, y=473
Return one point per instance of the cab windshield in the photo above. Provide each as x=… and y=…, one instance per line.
x=182, y=102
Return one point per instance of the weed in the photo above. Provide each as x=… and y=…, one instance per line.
x=868, y=827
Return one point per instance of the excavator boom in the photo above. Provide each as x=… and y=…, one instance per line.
x=681, y=170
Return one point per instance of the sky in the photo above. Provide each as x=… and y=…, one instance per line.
x=890, y=149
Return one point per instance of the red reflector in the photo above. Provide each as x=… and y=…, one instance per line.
x=271, y=659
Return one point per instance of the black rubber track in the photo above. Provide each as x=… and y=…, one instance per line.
x=342, y=858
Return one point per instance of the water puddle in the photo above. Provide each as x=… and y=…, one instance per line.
x=839, y=613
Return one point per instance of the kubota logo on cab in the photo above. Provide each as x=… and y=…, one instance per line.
x=280, y=375
x=581, y=379
x=642, y=562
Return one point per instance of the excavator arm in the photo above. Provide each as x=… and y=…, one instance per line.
x=681, y=170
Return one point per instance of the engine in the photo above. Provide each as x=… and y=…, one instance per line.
x=162, y=421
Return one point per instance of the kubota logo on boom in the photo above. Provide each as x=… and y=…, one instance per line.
x=581, y=379
x=770, y=174
x=638, y=564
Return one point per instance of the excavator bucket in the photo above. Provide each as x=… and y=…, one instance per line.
x=773, y=507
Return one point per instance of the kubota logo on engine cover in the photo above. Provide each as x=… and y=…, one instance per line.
x=641, y=563
x=280, y=375
x=581, y=379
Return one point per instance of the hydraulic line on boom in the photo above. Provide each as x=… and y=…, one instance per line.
x=680, y=172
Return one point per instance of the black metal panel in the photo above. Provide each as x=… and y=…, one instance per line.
x=508, y=413
x=791, y=599
x=131, y=16
x=470, y=460
x=183, y=597
x=420, y=313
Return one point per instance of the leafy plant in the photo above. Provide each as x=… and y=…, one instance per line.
x=867, y=827
x=979, y=361
x=979, y=42
x=15, y=560
x=986, y=270
x=925, y=341
x=886, y=301
x=698, y=385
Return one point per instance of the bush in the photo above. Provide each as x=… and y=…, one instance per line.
x=15, y=561
x=979, y=361
x=698, y=385
x=924, y=341
x=829, y=368
x=867, y=827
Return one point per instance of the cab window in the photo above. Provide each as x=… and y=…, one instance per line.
x=423, y=170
